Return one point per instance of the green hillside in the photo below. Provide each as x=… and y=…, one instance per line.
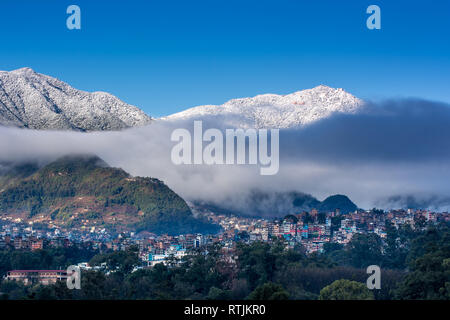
x=76, y=189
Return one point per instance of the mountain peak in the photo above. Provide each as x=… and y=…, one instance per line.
x=277, y=111
x=338, y=201
x=32, y=100
x=86, y=160
x=78, y=165
x=323, y=87
x=25, y=70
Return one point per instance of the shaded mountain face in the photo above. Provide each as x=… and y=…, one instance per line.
x=14, y=172
x=36, y=101
x=76, y=189
x=338, y=201
x=275, y=111
x=261, y=204
x=277, y=204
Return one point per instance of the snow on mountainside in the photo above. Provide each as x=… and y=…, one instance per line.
x=36, y=101
x=276, y=111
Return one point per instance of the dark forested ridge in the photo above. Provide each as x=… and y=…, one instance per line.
x=278, y=204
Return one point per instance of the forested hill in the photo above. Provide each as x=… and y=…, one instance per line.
x=83, y=189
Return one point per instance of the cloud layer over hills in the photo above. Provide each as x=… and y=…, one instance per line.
x=390, y=154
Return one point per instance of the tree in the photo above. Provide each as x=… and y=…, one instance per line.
x=430, y=280
x=322, y=218
x=365, y=250
x=396, y=248
x=203, y=271
x=259, y=261
x=218, y=294
x=307, y=218
x=123, y=261
x=430, y=276
x=269, y=291
x=346, y=290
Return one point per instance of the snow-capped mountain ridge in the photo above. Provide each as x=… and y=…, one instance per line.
x=32, y=100
x=277, y=111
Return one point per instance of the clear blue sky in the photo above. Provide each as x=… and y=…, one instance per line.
x=165, y=56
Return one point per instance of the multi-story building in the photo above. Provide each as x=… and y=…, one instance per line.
x=37, y=276
x=37, y=244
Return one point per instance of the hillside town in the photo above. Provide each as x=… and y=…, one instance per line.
x=310, y=230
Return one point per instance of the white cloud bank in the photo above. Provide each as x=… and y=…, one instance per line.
x=393, y=154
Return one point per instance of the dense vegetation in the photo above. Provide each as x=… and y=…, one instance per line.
x=346, y=290
x=54, y=258
x=86, y=185
x=413, y=267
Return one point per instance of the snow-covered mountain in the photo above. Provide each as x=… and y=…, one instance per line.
x=36, y=101
x=276, y=111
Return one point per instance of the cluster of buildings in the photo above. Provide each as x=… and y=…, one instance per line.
x=22, y=236
x=313, y=229
x=308, y=229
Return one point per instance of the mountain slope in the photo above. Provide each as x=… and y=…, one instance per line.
x=338, y=201
x=276, y=111
x=36, y=101
x=74, y=189
x=11, y=173
x=276, y=204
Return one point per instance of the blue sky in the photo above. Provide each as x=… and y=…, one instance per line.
x=166, y=56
